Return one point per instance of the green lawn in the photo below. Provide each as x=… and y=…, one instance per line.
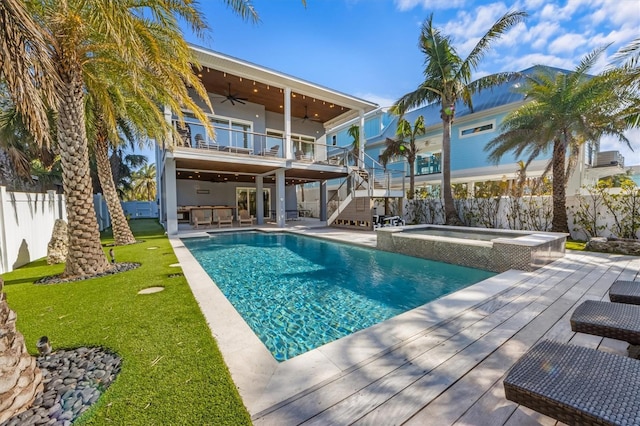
x=172, y=371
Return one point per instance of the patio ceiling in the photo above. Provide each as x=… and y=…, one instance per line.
x=267, y=87
x=222, y=171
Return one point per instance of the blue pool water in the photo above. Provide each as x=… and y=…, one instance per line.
x=298, y=293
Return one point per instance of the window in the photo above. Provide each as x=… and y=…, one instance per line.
x=229, y=132
x=478, y=128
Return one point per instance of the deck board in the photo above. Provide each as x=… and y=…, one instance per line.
x=453, y=372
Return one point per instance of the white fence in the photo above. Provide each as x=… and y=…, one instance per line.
x=26, y=225
x=133, y=209
x=528, y=213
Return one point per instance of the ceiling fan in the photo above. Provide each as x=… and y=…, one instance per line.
x=233, y=98
x=306, y=115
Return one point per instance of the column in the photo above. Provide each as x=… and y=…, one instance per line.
x=281, y=208
x=323, y=201
x=171, y=196
x=288, y=149
x=362, y=140
x=259, y=200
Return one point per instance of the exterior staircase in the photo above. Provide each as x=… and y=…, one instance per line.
x=351, y=205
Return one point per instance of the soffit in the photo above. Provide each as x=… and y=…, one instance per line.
x=266, y=87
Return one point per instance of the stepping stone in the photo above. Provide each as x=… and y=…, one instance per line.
x=151, y=290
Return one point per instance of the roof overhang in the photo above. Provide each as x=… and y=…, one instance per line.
x=267, y=87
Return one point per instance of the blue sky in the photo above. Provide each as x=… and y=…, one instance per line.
x=368, y=48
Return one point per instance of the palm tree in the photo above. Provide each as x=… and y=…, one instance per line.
x=26, y=67
x=565, y=111
x=144, y=182
x=400, y=147
x=448, y=80
x=86, y=40
x=629, y=56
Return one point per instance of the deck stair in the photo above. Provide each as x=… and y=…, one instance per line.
x=351, y=206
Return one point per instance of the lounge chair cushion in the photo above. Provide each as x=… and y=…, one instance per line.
x=625, y=292
x=607, y=319
x=576, y=385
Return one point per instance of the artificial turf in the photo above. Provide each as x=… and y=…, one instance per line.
x=172, y=371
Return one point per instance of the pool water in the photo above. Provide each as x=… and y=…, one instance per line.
x=298, y=293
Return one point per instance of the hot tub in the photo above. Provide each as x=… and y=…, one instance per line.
x=494, y=250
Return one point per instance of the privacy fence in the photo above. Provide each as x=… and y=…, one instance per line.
x=26, y=224
x=599, y=212
x=27, y=219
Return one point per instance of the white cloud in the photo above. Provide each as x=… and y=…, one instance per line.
x=383, y=101
x=566, y=43
x=404, y=5
x=526, y=61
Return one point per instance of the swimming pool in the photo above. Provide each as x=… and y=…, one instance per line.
x=298, y=293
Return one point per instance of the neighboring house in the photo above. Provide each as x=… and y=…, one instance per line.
x=287, y=139
x=470, y=133
x=270, y=136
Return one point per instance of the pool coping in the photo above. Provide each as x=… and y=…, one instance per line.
x=264, y=384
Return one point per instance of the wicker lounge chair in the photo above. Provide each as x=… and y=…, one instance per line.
x=576, y=385
x=607, y=319
x=625, y=292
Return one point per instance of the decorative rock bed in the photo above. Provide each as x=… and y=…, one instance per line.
x=73, y=381
x=117, y=268
x=612, y=245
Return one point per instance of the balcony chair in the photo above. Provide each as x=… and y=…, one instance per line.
x=200, y=141
x=272, y=152
x=625, y=292
x=576, y=385
x=245, y=218
x=225, y=218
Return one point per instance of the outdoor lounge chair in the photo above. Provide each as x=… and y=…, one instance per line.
x=225, y=218
x=576, y=385
x=245, y=218
x=607, y=319
x=625, y=292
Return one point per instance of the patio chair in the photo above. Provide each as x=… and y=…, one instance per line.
x=607, y=319
x=225, y=218
x=272, y=152
x=576, y=385
x=201, y=218
x=625, y=292
x=245, y=218
x=200, y=141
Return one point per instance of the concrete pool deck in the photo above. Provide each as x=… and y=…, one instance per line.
x=441, y=363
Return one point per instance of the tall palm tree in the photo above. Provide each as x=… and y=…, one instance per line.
x=448, y=80
x=26, y=67
x=144, y=182
x=405, y=146
x=86, y=38
x=565, y=111
x=629, y=56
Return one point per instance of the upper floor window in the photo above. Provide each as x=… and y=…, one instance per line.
x=485, y=127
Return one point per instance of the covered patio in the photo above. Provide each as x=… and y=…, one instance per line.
x=441, y=363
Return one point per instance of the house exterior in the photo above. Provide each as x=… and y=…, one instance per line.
x=282, y=143
x=270, y=136
x=470, y=133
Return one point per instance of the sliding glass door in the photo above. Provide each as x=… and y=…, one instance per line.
x=246, y=200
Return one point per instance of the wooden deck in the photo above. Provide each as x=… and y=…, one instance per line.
x=452, y=373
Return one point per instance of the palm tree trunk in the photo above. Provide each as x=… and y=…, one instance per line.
x=411, y=159
x=122, y=234
x=559, y=222
x=20, y=377
x=450, y=213
x=85, y=256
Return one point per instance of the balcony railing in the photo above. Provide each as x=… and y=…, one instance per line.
x=249, y=143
